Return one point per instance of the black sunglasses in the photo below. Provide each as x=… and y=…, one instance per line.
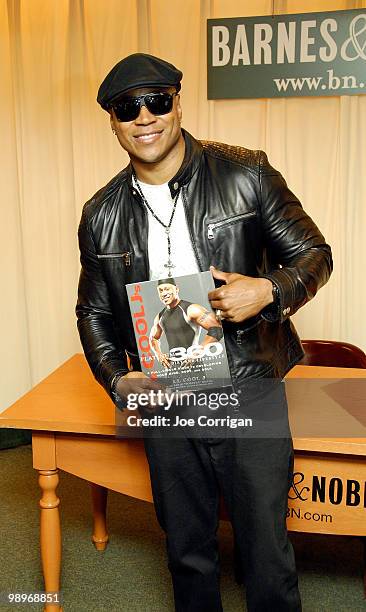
x=128, y=109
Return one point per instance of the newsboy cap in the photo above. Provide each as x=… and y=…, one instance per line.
x=167, y=281
x=137, y=70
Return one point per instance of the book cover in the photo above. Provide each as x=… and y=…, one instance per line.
x=180, y=340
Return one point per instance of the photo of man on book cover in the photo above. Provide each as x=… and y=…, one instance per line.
x=182, y=323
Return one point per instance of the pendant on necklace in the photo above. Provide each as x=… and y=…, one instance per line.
x=167, y=230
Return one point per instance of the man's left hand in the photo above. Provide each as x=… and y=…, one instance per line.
x=241, y=297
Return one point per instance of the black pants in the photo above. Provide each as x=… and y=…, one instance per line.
x=254, y=475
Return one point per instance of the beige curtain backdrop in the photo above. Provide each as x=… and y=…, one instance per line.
x=57, y=149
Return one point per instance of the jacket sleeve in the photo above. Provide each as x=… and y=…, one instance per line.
x=301, y=259
x=95, y=319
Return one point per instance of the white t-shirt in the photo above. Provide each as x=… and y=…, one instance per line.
x=182, y=254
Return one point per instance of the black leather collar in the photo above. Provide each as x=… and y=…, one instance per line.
x=190, y=164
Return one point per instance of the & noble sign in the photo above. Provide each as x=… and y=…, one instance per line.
x=328, y=495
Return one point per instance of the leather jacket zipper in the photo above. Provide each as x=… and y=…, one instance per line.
x=125, y=256
x=185, y=208
x=214, y=226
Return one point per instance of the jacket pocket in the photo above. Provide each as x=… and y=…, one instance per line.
x=125, y=256
x=214, y=226
x=246, y=331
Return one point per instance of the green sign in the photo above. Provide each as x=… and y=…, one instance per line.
x=307, y=54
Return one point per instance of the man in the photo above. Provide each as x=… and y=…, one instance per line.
x=188, y=205
x=181, y=322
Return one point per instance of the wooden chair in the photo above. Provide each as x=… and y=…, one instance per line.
x=331, y=353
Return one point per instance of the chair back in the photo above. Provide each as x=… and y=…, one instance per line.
x=332, y=354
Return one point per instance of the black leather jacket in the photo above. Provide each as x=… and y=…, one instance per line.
x=242, y=218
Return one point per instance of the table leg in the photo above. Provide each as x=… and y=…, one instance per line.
x=50, y=534
x=99, y=502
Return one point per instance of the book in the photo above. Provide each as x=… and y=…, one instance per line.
x=180, y=341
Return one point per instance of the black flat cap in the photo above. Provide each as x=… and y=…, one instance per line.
x=137, y=70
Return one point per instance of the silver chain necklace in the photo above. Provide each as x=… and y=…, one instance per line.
x=169, y=264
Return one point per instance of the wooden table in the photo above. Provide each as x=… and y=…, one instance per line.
x=73, y=424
